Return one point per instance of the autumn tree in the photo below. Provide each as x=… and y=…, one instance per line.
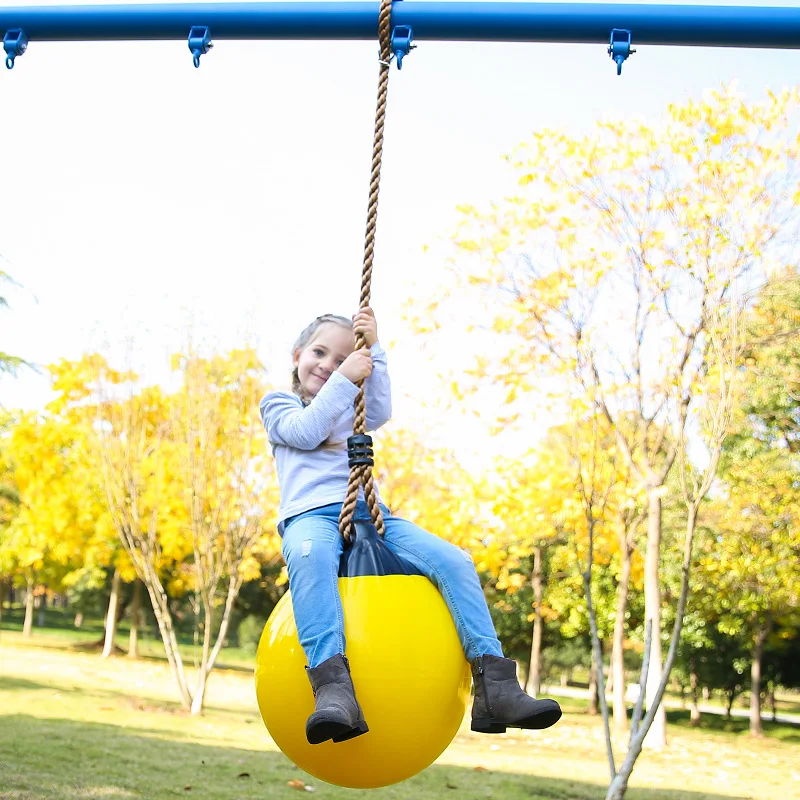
x=186, y=485
x=229, y=491
x=100, y=549
x=719, y=381
x=601, y=274
x=9, y=504
x=59, y=525
x=531, y=500
x=754, y=562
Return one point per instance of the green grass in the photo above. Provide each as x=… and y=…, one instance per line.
x=73, y=725
x=59, y=631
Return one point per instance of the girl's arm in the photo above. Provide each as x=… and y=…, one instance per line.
x=378, y=390
x=306, y=428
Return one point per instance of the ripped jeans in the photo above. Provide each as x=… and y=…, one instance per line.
x=312, y=546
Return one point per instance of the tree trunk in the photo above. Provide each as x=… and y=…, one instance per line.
x=731, y=697
x=533, y=684
x=161, y=611
x=756, y=729
x=3, y=587
x=593, y=691
x=41, y=617
x=27, y=625
x=136, y=610
x=619, y=783
x=111, y=615
x=210, y=656
x=694, y=718
x=771, y=701
x=656, y=738
x=618, y=645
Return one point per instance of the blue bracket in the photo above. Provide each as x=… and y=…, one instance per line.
x=620, y=47
x=199, y=43
x=402, y=37
x=15, y=43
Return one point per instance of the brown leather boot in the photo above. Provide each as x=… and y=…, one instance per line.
x=500, y=702
x=337, y=714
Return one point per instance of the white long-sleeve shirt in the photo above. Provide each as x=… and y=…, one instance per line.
x=311, y=476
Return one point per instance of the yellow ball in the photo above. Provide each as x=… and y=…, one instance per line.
x=409, y=672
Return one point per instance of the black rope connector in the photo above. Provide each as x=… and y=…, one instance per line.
x=359, y=450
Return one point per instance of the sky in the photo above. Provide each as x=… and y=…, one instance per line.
x=142, y=198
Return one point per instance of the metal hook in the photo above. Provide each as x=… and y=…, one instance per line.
x=401, y=46
x=620, y=47
x=15, y=43
x=199, y=43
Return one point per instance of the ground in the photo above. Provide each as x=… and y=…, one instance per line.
x=73, y=725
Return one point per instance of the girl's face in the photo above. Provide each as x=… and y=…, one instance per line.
x=325, y=353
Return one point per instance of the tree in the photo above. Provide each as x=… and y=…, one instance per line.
x=187, y=486
x=604, y=268
x=531, y=501
x=58, y=525
x=754, y=563
x=9, y=504
x=222, y=464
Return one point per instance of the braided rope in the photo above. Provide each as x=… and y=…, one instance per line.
x=362, y=475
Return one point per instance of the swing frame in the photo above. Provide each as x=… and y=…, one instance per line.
x=703, y=26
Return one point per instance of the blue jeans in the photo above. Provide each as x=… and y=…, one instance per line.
x=312, y=546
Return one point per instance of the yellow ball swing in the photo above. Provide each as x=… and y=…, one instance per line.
x=414, y=704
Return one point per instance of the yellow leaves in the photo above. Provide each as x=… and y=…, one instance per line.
x=134, y=448
x=250, y=569
x=455, y=390
x=511, y=582
x=60, y=520
x=283, y=577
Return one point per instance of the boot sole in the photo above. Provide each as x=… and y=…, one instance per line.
x=324, y=731
x=536, y=723
x=359, y=730
x=487, y=726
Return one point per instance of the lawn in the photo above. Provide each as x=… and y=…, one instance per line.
x=73, y=725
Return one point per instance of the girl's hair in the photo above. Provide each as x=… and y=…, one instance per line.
x=308, y=335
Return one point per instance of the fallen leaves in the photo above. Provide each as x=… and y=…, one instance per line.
x=298, y=783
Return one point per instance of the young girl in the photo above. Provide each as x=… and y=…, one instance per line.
x=308, y=430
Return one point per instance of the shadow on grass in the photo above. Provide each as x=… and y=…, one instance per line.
x=58, y=759
x=97, y=694
x=113, y=697
x=784, y=731
x=59, y=633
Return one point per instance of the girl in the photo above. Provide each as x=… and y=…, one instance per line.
x=308, y=429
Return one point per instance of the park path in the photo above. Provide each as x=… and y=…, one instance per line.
x=574, y=691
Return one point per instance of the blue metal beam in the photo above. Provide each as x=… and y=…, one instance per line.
x=710, y=26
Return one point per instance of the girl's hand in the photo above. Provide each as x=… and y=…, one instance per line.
x=364, y=323
x=357, y=366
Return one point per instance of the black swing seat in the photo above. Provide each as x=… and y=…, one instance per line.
x=367, y=554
